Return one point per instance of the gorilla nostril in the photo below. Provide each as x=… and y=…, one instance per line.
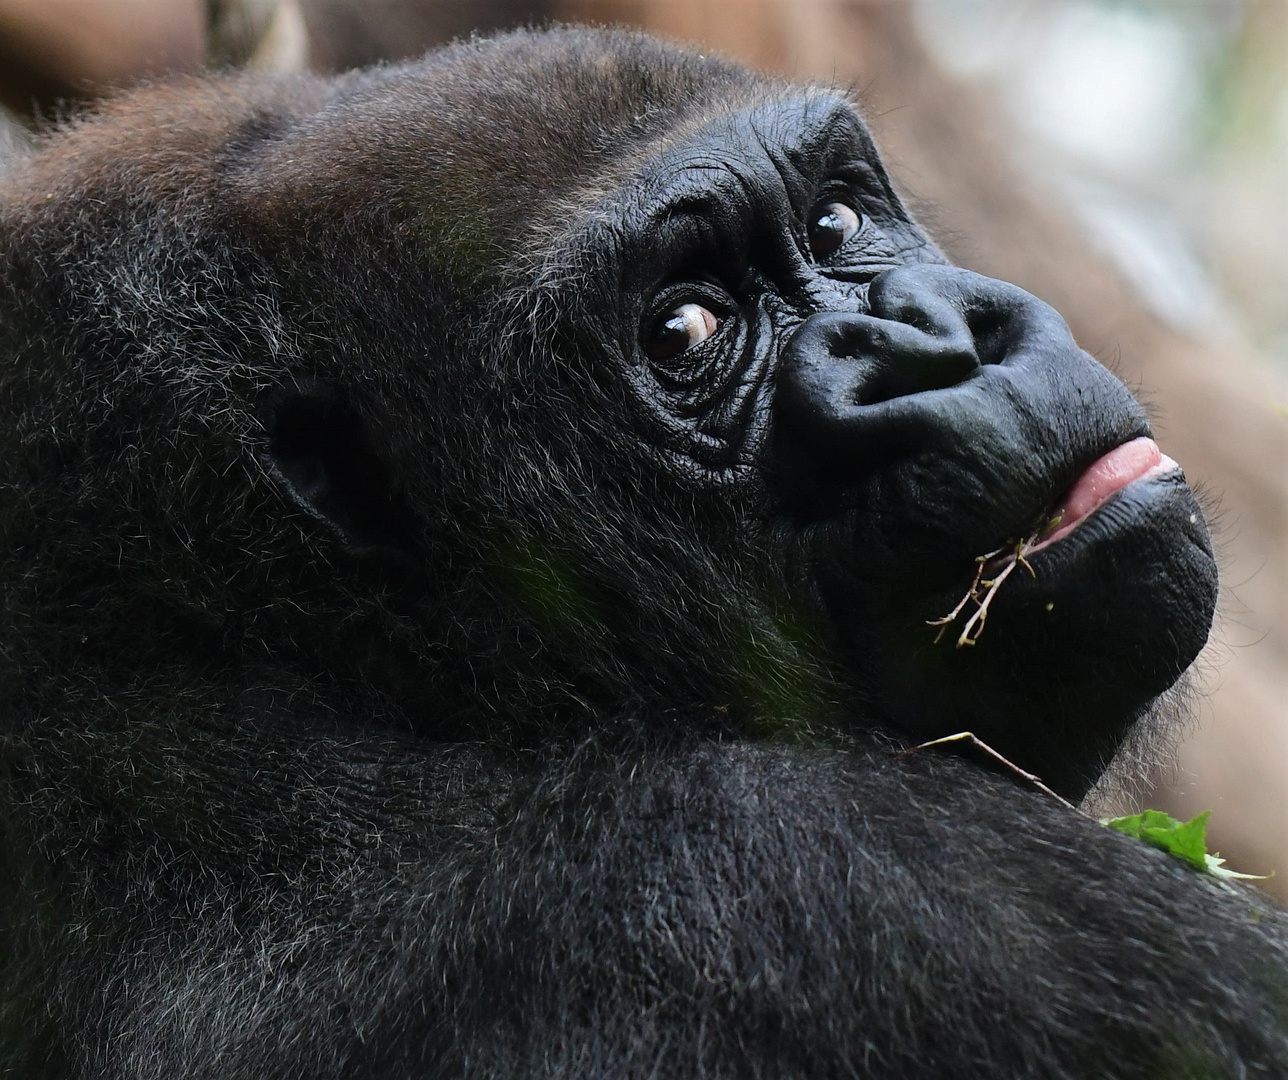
x=899, y=371
x=852, y=359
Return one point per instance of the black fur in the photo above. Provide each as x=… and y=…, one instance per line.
x=413, y=666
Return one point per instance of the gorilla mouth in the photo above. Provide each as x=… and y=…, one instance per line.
x=1094, y=488
x=1099, y=482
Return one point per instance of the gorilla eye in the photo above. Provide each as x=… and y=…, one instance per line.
x=831, y=225
x=679, y=330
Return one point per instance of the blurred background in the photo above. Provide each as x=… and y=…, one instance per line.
x=1126, y=160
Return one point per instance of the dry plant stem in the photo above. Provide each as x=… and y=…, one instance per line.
x=980, y=615
x=991, y=585
x=969, y=736
x=947, y=620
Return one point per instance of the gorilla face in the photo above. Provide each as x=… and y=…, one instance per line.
x=799, y=373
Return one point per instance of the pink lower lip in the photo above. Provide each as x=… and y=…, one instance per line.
x=1105, y=477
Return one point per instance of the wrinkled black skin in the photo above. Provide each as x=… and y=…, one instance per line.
x=405, y=676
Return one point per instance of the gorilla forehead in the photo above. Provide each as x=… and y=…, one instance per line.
x=785, y=141
x=485, y=118
x=739, y=185
x=757, y=162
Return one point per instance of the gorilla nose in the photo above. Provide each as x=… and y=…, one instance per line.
x=914, y=338
x=854, y=388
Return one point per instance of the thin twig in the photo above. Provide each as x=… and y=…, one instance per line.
x=1016, y=555
x=980, y=615
x=964, y=736
x=947, y=620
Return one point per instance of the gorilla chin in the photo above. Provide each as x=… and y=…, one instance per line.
x=1124, y=598
x=1138, y=569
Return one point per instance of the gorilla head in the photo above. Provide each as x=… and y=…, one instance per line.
x=674, y=403
x=371, y=444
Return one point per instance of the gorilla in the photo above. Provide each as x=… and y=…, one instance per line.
x=475, y=536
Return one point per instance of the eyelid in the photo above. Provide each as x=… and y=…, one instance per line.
x=703, y=289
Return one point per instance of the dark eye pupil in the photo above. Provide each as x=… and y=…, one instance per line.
x=828, y=233
x=833, y=225
x=669, y=338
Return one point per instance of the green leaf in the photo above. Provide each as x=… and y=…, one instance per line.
x=1185, y=839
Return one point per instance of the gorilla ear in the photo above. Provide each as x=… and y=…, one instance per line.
x=319, y=449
